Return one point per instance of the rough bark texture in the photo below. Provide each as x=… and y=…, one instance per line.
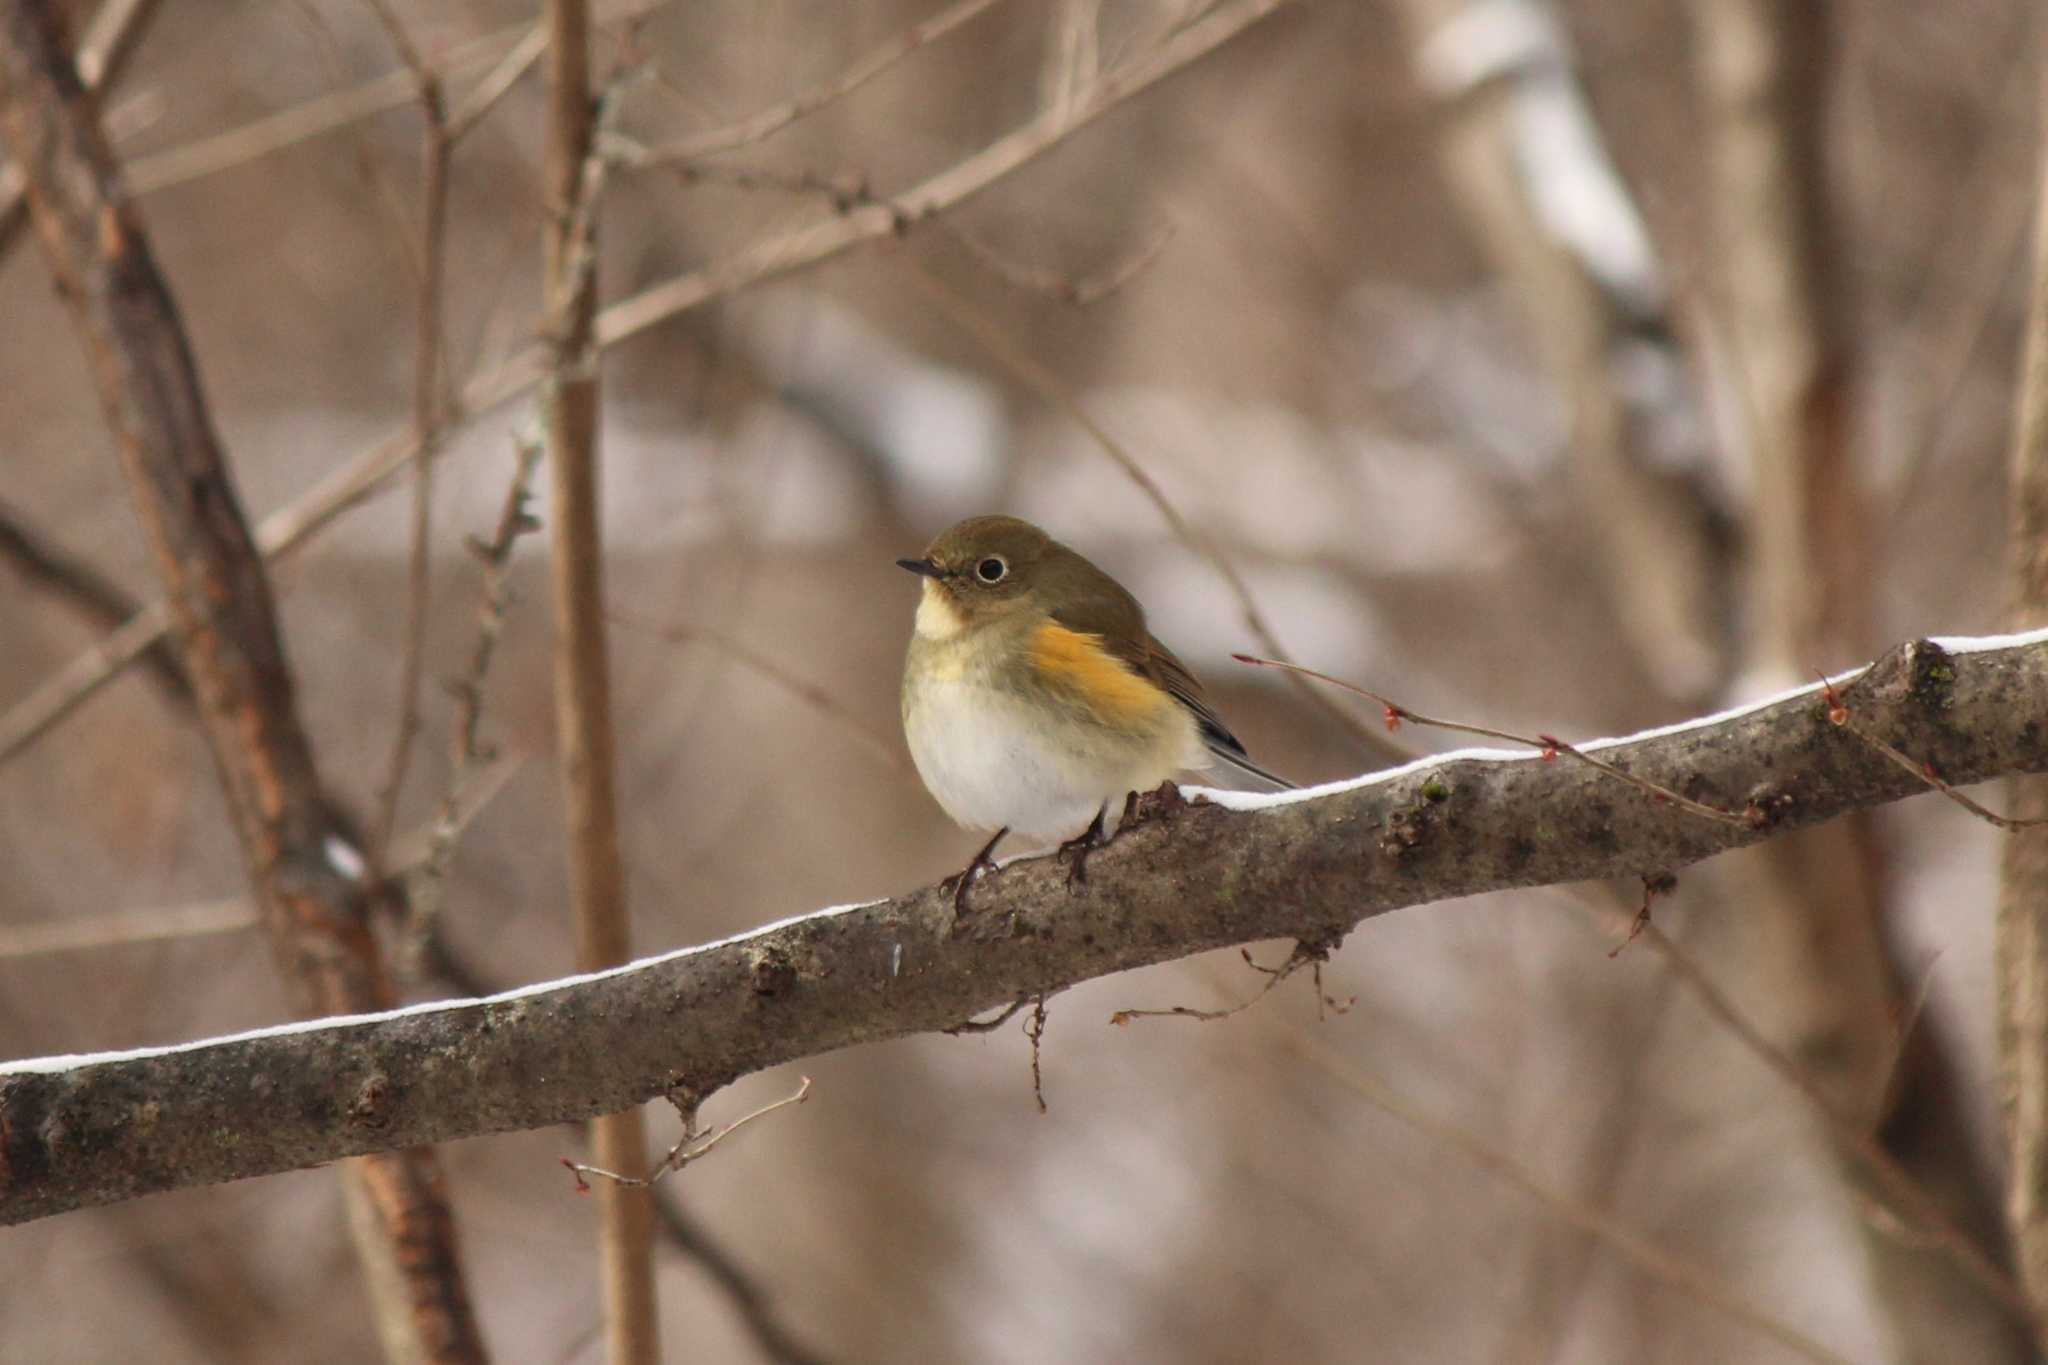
x=107, y=43
x=221, y=607
x=1202, y=877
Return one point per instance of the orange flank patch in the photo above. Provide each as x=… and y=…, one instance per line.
x=1076, y=663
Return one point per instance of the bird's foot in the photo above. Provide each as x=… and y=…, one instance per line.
x=1074, y=852
x=965, y=877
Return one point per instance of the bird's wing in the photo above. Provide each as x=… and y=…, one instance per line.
x=1114, y=616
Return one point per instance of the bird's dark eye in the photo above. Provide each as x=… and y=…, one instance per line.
x=991, y=570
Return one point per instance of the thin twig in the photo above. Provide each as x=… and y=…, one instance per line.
x=316, y=117
x=426, y=418
x=1301, y=956
x=1661, y=884
x=1547, y=745
x=1009, y=1012
x=1054, y=285
x=819, y=698
x=777, y=1342
x=119, y=928
x=774, y=119
x=1985, y=216
x=845, y=191
x=497, y=82
x=1909, y=1023
x=1913, y=1204
x=898, y=213
x=156, y=924
x=1644, y=1255
x=91, y=593
x=693, y=1146
x=427, y=883
x=1840, y=716
x=301, y=123
x=1034, y=1029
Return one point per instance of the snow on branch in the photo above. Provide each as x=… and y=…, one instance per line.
x=1222, y=869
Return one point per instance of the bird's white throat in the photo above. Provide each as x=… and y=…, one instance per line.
x=937, y=617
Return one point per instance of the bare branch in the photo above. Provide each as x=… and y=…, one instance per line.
x=569, y=411
x=776, y=1341
x=899, y=213
x=426, y=418
x=1842, y=716
x=470, y=761
x=95, y=596
x=503, y=49
x=76, y=933
x=1641, y=1254
x=1309, y=866
x=1549, y=746
x=116, y=28
x=484, y=96
x=774, y=119
x=1063, y=288
x=821, y=699
x=1904, y=1195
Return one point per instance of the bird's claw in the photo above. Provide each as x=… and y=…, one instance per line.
x=1074, y=852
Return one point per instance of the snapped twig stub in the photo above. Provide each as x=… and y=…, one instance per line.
x=693, y=1146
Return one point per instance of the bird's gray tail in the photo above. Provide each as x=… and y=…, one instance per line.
x=1240, y=762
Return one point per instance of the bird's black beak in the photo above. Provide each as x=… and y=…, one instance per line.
x=920, y=566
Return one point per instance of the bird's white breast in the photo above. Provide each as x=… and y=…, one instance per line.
x=993, y=755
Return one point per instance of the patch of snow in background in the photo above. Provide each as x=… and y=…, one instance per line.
x=940, y=433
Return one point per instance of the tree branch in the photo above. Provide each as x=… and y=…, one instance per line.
x=298, y=851
x=436, y=145
x=570, y=411
x=110, y=39
x=91, y=593
x=2022, y=925
x=76, y=1131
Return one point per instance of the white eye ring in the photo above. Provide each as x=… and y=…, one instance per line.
x=992, y=570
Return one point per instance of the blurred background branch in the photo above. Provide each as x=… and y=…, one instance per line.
x=306, y=868
x=2023, y=890
x=569, y=406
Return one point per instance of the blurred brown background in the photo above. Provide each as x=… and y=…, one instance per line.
x=1337, y=376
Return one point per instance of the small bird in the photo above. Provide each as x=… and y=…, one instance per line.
x=1033, y=694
